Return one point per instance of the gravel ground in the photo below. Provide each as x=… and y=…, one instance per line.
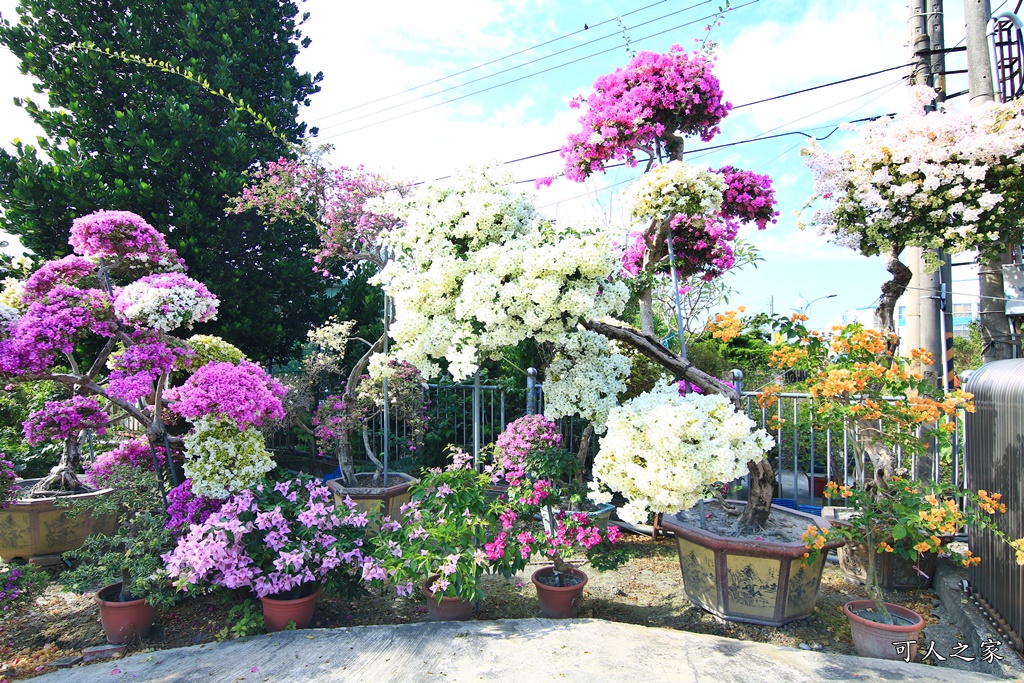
x=648, y=591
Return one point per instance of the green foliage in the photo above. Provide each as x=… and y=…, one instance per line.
x=123, y=134
x=707, y=356
x=246, y=620
x=30, y=462
x=967, y=350
x=132, y=553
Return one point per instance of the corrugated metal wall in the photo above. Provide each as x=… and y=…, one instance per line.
x=995, y=463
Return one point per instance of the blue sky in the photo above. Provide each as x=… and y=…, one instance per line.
x=766, y=48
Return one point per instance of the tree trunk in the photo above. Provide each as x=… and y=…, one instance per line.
x=647, y=311
x=63, y=478
x=378, y=474
x=759, y=504
x=343, y=447
x=996, y=343
x=584, y=449
x=892, y=290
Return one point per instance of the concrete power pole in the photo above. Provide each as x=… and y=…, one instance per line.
x=995, y=328
x=924, y=295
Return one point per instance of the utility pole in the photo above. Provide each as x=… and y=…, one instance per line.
x=995, y=328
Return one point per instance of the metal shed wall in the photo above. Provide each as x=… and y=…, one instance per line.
x=995, y=463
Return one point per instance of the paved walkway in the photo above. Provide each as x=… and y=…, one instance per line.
x=586, y=650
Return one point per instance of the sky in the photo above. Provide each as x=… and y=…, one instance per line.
x=419, y=90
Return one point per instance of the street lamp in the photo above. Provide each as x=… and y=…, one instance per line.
x=803, y=309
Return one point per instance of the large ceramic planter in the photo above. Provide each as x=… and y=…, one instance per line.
x=598, y=517
x=377, y=502
x=278, y=613
x=559, y=602
x=123, y=621
x=449, y=608
x=884, y=641
x=39, y=531
x=749, y=580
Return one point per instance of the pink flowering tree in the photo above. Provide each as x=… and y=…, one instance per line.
x=339, y=201
x=122, y=292
x=647, y=109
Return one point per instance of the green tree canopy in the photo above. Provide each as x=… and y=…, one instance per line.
x=126, y=136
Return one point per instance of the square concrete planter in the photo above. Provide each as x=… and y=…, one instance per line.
x=754, y=581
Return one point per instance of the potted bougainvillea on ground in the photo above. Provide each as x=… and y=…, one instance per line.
x=885, y=406
x=285, y=540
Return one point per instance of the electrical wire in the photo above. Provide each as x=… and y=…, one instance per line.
x=511, y=68
x=586, y=27
x=521, y=78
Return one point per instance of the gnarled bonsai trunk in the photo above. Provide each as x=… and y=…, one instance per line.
x=759, y=504
x=63, y=478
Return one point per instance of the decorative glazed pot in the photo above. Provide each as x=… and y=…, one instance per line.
x=37, y=530
x=559, y=602
x=449, y=608
x=749, y=580
x=884, y=641
x=894, y=571
x=277, y=613
x=378, y=503
x=123, y=621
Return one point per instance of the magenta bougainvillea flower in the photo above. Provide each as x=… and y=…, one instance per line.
x=68, y=271
x=243, y=393
x=122, y=234
x=59, y=420
x=135, y=454
x=642, y=105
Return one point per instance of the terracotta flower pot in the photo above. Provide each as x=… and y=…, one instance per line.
x=559, y=602
x=449, y=609
x=123, y=621
x=881, y=641
x=277, y=613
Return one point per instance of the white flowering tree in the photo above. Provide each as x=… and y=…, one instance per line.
x=938, y=180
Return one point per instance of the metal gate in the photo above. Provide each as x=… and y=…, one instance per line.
x=995, y=462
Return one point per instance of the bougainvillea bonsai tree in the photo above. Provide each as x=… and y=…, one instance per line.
x=938, y=180
x=336, y=200
x=99, y=322
x=475, y=269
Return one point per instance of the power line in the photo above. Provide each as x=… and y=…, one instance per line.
x=586, y=27
x=506, y=70
x=537, y=73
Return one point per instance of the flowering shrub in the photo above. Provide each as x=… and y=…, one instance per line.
x=520, y=438
x=185, y=508
x=51, y=326
x=18, y=586
x=134, y=370
x=210, y=349
x=60, y=420
x=124, y=237
x=242, y=393
x=135, y=454
x=443, y=530
x=280, y=539
x=165, y=301
x=675, y=188
x=585, y=377
x=69, y=271
x=642, y=105
x=8, y=489
x=662, y=450
x=221, y=459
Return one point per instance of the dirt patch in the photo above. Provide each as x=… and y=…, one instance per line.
x=647, y=590
x=783, y=526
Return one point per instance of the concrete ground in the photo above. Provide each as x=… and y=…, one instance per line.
x=585, y=650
